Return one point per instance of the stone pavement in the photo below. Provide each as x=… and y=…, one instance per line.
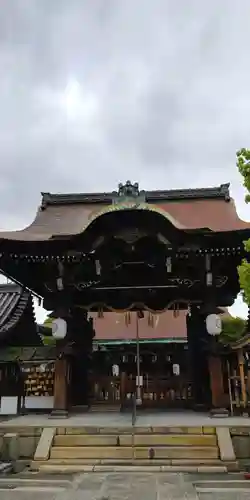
x=124, y=486
x=113, y=486
x=219, y=495
x=117, y=419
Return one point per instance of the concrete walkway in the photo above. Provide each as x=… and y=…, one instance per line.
x=123, y=486
x=147, y=419
x=106, y=487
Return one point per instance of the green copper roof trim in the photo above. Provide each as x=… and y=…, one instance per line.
x=142, y=341
x=50, y=341
x=133, y=205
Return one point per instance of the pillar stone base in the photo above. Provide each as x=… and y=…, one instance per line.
x=59, y=413
x=199, y=407
x=219, y=412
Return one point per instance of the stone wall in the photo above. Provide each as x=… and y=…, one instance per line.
x=241, y=442
x=18, y=442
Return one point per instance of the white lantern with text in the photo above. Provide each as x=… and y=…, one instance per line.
x=213, y=324
x=59, y=328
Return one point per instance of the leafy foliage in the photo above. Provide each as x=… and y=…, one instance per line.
x=243, y=164
x=232, y=329
x=48, y=340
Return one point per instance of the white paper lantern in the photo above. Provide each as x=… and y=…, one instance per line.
x=59, y=328
x=213, y=324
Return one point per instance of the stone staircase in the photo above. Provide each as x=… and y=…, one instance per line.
x=107, y=449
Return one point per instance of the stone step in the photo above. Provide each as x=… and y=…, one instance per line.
x=52, y=468
x=137, y=430
x=35, y=464
x=232, y=484
x=137, y=440
x=38, y=481
x=221, y=492
x=119, y=452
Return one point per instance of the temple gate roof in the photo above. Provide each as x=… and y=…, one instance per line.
x=61, y=215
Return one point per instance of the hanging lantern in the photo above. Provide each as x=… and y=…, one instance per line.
x=127, y=318
x=59, y=284
x=140, y=314
x=213, y=324
x=59, y=328
x=176, y=310
x=100, y=313
x=169, y=264
x=209, y=275
x=150, y=320
x=98, y=268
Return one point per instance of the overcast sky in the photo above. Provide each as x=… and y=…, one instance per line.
x=93, y=92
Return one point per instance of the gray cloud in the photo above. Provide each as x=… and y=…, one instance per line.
x=94, y=92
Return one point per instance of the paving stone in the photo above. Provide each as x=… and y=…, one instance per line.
x=223, y=496
x=126, y=486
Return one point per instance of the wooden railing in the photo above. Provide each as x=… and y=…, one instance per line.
x=157, y=391
x=106, y=389
x=162, y=391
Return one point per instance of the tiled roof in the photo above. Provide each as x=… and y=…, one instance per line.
x=13, y=301
x=65, y=215
x=17, y=319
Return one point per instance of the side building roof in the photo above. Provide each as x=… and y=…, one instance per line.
x=17, y=319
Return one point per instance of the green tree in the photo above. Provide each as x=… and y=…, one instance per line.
x=243, y=164
x=232, y=329
x=48, y=340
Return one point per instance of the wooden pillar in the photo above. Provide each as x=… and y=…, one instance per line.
x=198, y=359
x=123, y=387
x=61, y=388
x=216, y=381
x=242, y=378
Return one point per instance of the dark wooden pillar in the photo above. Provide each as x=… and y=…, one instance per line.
x=61, y=388
x=198, y=359
x=81, y=336
x=242, y=378
x=216, y=381
x=123, y=387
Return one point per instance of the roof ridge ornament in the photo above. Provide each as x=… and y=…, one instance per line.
x=225, y=191
x=128, y=192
